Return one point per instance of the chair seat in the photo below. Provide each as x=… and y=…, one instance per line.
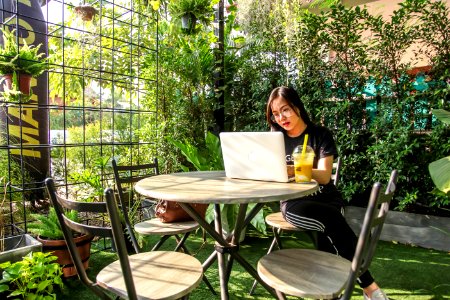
x=276, y=220
x=155, y=226
x=305, y=273
x=156, y=275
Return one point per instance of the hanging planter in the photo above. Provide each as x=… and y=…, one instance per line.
x=24, y=82
x=85, y=12
x=18, y=64
x=185, y=21
x=188, y=22
x=191, y=11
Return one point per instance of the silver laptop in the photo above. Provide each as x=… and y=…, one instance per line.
x=254, y=155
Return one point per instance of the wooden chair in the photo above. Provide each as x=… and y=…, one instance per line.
x=310, y=273
x=130, y=174
x=279, y=224
x=150, y=275
x=127, y=175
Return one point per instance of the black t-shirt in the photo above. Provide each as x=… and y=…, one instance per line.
x=319, y=138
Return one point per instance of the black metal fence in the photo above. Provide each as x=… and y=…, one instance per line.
x=100, y=88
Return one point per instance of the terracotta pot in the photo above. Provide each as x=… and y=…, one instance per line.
x=59, y=249
x=86, y=12
x=24, y=82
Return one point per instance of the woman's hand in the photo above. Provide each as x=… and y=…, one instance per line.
x=290, y=170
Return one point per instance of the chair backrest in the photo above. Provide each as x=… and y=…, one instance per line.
x=128, y=175
x=336, y=171
x=374, y=218
x=62, y=205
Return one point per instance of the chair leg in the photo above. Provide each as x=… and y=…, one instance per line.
x=252, y=290
x=280, y=295
x=186, y=251
x=160, y=242
x=313, y=235
x=208, y=284
x=180, y=242
x=276, y=241
x=276, y=237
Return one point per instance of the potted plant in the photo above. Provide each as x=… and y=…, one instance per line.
x=13, y=248
x=49, y=233
x=191, y=11
x=18, y=64
x=34, y=277
x=85, y=12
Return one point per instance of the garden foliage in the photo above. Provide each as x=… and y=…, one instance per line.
x=345, y=62
x=347, y=65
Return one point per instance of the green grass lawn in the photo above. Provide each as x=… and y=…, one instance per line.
x=404, y=272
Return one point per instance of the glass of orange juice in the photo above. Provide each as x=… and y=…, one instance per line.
x=303, y=164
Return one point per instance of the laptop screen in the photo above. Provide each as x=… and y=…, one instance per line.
x=254, y=155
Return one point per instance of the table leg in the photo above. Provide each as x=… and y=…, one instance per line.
x=209, y=261
x=221, y=259
x=222, y=246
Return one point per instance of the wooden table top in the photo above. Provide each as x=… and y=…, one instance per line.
x=215, y=187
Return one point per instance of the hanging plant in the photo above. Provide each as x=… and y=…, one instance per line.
x=85, y=12
x=190, y=12
x=18, y=64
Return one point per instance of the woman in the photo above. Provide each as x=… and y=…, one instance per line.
x=321, y=211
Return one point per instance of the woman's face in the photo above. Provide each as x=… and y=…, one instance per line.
x=284, y=115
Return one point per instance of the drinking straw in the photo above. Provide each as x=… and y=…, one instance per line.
x=305, y=142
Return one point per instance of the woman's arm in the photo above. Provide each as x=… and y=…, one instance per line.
x=324, y=169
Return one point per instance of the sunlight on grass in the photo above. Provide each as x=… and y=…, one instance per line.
x=404, y=272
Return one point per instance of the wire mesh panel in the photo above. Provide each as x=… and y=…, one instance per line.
x=100, y=86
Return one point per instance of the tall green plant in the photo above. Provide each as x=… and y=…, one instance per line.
x=209, y=158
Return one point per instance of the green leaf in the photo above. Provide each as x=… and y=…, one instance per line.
x=440, y=173
x=3, y=287
x=43, y=285
x=442, y=115
x=16, y=293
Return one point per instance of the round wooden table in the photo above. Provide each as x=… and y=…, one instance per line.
x=214, y=187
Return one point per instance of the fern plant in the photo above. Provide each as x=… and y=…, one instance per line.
x=24, y=59
x=48, y=225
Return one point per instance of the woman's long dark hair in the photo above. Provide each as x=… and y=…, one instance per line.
x=293, y=99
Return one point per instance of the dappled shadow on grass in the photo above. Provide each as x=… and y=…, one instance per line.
x=404, y=272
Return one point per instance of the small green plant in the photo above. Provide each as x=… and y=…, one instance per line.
x=91, y=188
x=24, y=59
x=34, y=277
x=47, y=226
x=7, y=53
